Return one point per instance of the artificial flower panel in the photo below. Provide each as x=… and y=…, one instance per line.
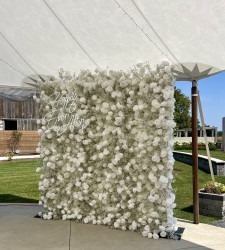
x=106, y=148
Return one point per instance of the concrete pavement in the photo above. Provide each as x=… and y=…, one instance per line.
x=19, y=230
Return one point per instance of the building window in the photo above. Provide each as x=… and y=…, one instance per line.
x=10, y=124
x=189, y=133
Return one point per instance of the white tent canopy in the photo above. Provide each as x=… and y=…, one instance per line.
x=75, y=35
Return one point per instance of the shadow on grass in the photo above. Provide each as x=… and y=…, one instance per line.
x=188, y=209
x=9, y=198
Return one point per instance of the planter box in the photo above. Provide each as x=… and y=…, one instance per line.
x=211, y=204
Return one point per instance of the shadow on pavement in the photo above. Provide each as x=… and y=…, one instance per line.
x=9, y=198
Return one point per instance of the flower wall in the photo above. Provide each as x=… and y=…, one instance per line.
x=106, y=147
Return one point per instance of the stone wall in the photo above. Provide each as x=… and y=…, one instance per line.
x=212, y=204
x=203, y=164
x=185, y=135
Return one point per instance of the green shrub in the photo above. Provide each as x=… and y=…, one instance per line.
x=188, y=145
x=9, y=155
x=220, y=139
x=14, y=140
x=214, y=187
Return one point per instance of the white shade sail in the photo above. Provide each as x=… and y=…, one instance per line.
x=194, y=71
x=43, y=36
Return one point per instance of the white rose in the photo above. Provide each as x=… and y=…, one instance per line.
x=150, y=235
x=116, y=224
x=145, y=233
x=163, y=179
x=83, y=100
x=108, y=89
x=134, y=225
x=155, y=236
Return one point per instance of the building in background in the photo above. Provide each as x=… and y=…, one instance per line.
x=18, y=110
x=185, y=135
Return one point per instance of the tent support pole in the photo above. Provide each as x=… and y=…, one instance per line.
x=194, y=92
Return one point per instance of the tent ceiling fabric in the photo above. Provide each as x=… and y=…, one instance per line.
x=192, y=30
x=16, y=93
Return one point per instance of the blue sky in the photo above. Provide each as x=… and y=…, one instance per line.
x=212, y=92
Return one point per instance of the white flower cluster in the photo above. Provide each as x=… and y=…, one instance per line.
x=118, y=170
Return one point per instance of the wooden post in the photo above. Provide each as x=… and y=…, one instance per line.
x=194, y=99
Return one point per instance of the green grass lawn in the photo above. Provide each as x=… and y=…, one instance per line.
x=183, y=186
x=19, y=183
x=183, y=190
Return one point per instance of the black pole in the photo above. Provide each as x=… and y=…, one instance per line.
x=194, y=99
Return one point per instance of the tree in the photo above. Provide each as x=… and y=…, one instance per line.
x=219, y=133
x=14, y=140
x=182, y=115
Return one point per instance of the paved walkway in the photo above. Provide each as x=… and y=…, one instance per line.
x=218, y=223
x=19, y=230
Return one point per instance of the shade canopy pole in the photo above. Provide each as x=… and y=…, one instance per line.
x=194, y=98
x=206, y=139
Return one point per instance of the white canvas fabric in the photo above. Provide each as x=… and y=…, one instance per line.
x=17, y=93
x=116, y=34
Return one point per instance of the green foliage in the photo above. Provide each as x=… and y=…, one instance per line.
x=182, y=110
x=9, y=155
x=183, y=186
x=219, y=133
x=214, y=187
x=19, y=181
x=188, y=145
x=219, y=139
x=14, y=140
